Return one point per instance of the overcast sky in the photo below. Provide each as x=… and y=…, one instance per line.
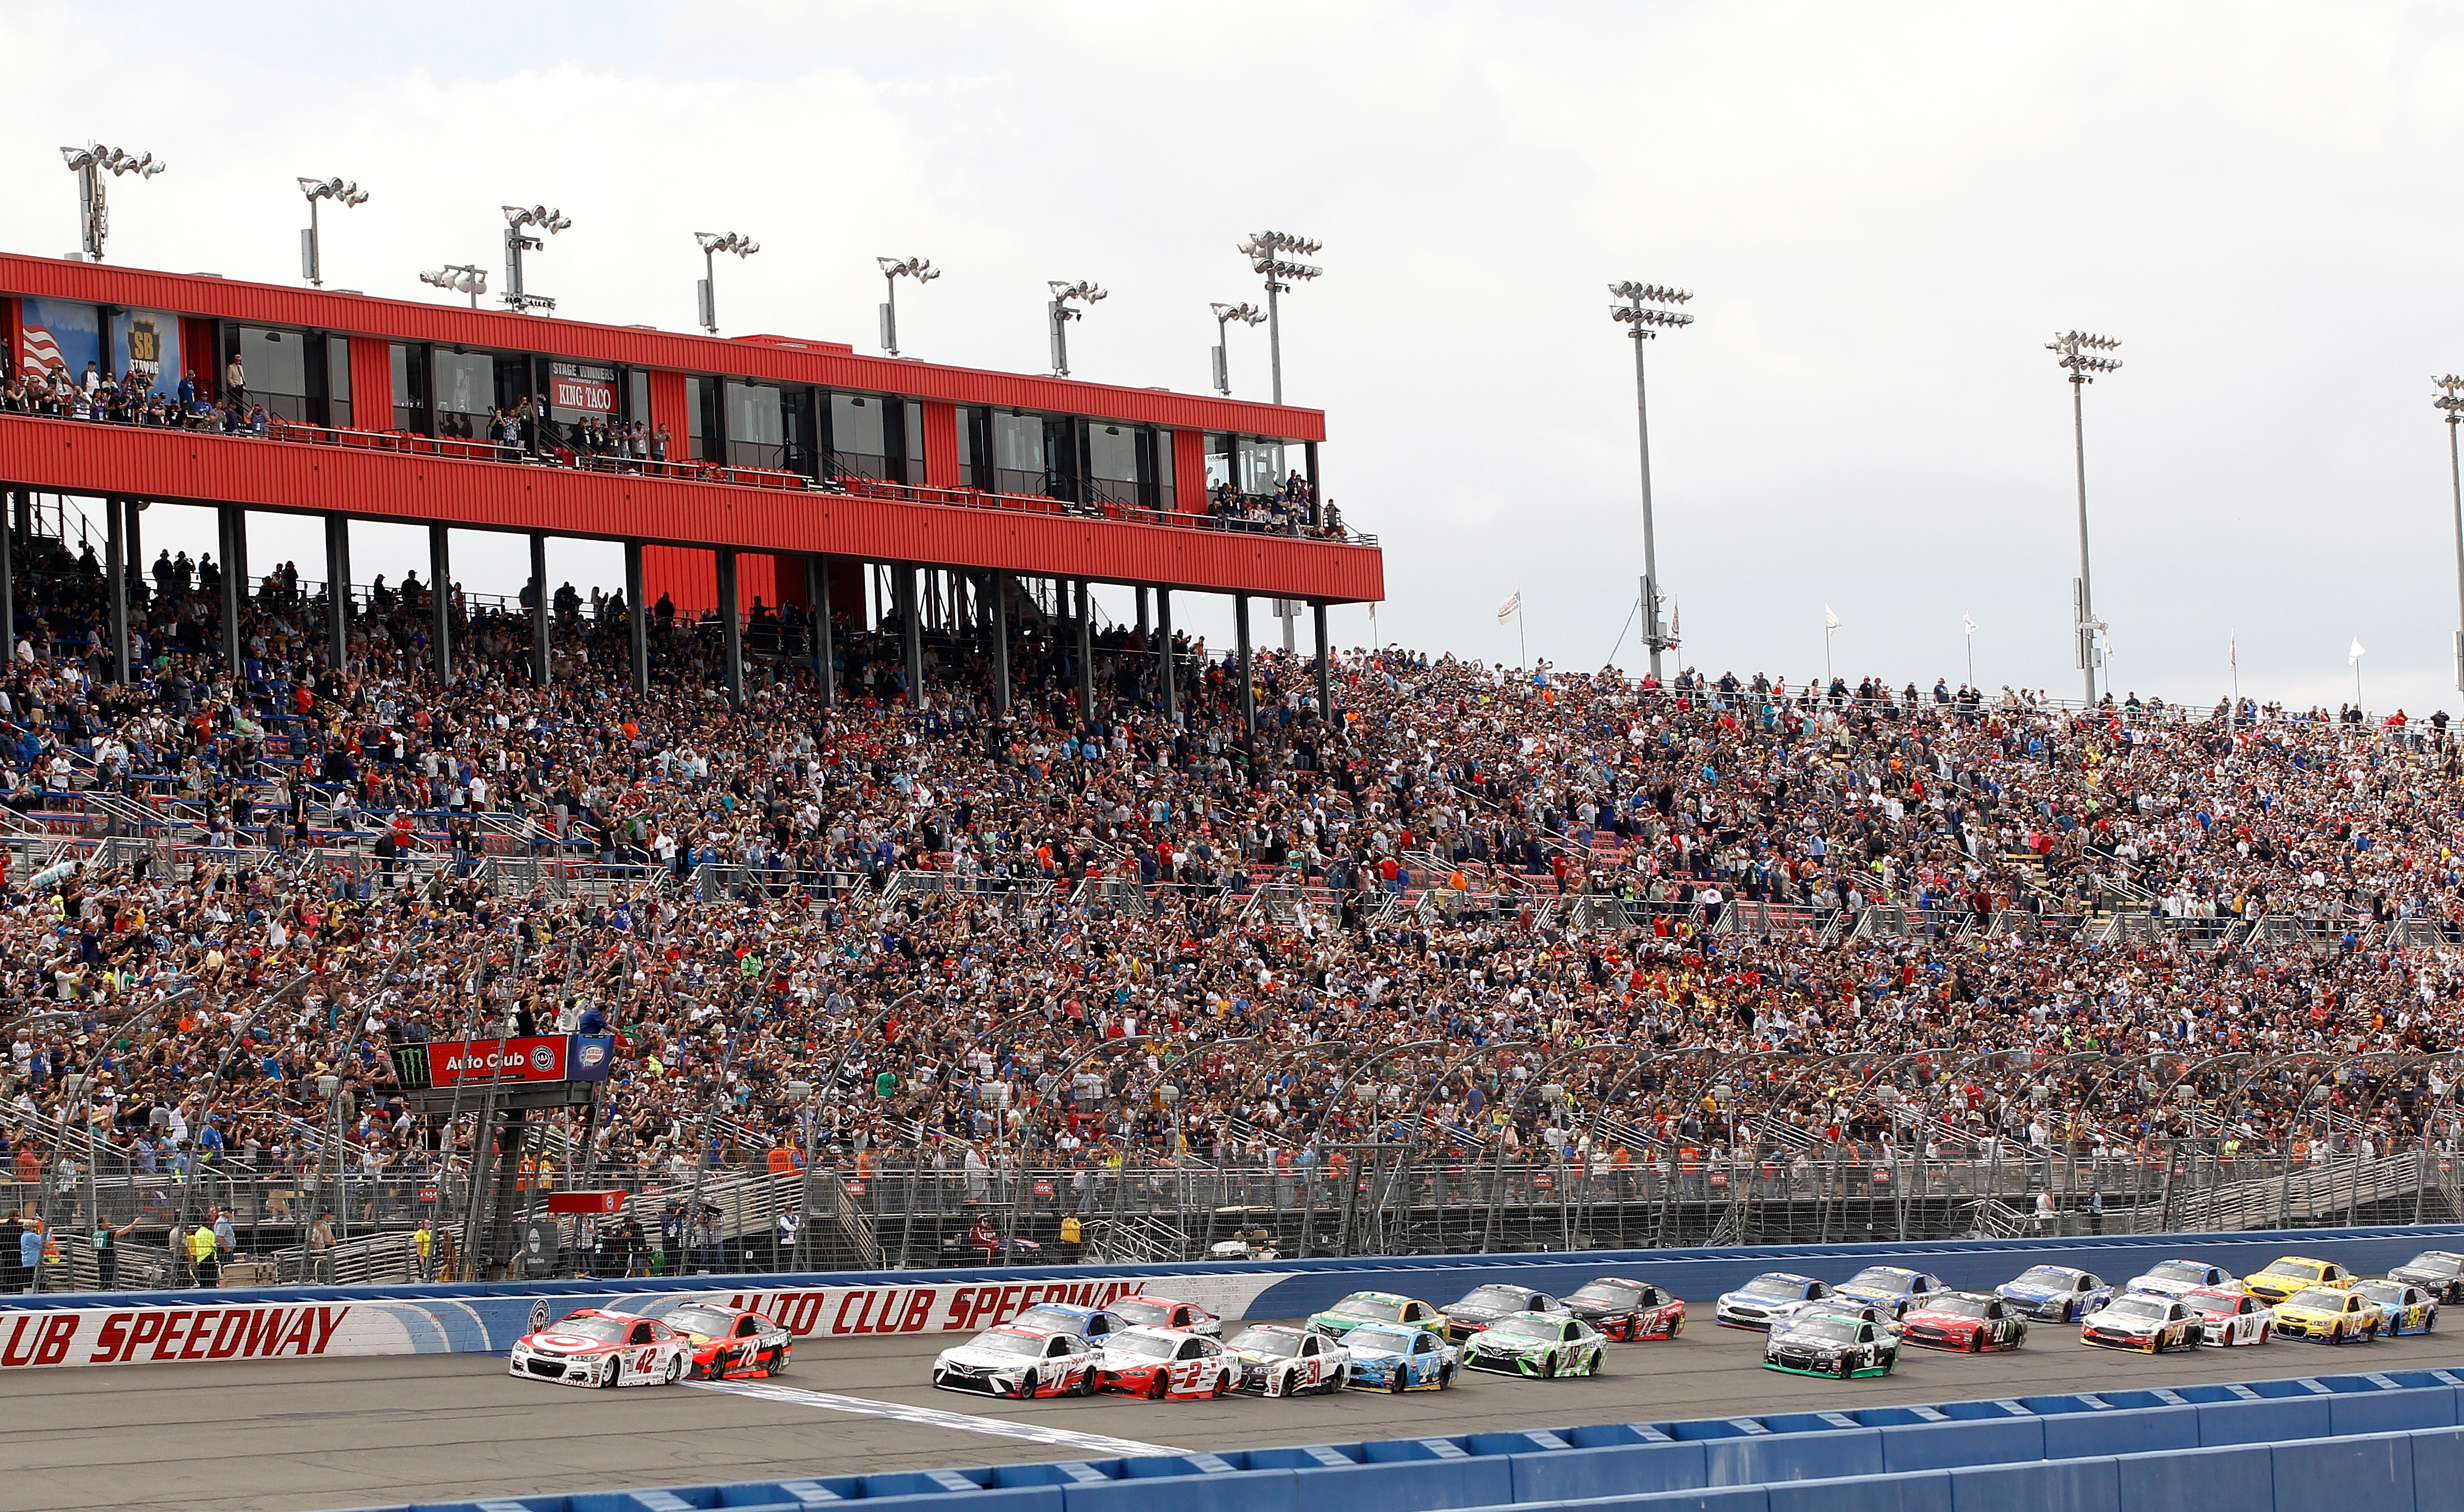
x=1884, y=213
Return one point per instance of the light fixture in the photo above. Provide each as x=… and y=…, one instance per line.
x=1225, y=315
x=2080, y=355
x=458, y=278
x=711, y=244
x=1061, y=314
x=893, y=269
x=344, y=193
x=1267, y=252
x=90, y=163
x=1646, y=312
x=2450, y=402
x=518, y=221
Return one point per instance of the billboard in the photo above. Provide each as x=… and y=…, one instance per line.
x=502, y=1062
x=59, y=334
x=146, y=343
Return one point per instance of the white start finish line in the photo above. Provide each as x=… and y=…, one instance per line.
x=1101, y=1445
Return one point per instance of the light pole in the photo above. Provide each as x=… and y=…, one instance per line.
x=1062, y=315
x=706, y=291
x=458, y=278
x=1646, y=311
x=1225, y=315
x=518, y=219
x=1267, y=252
x=2450, y=402
x=89, y=162
x=891, y=270
x=311, y=264
x=2078, y=354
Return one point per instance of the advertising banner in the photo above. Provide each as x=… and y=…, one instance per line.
x=146, y=343
x=535, y=1058
x=58, y=335
x=847, y=1312
x=191, y=1334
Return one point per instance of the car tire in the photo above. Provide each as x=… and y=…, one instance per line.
x=1395, y=1381
x=1847, y=1368
x=2428, y=1324
x=778, y=1364
x=1976, y=1341
x=675, y=1370
x=1156, y=1386
x=1222, y=1384
x=1087, y=1383
x=615, y=1371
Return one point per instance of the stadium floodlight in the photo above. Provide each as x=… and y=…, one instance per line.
x=518, y=221
x=311, y=264
x=711, y=244
x=893, y=269
x=90, y=163
x=1225, y=315
x=2082, y=356
x=1061, y=314
x=458, y=278
x=2450, y=402
x=1270, y=253
x=1645, y=313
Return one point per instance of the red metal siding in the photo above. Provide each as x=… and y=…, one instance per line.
x=1189, y=471
x=668, y=408
x=941, y=446
x=198, y=354
x=371, y=384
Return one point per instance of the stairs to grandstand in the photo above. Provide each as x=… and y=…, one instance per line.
x=1136, y=1239
x=1992, y=1218
x=1120, y=894
x=2313, y=1194
x=387, y=1256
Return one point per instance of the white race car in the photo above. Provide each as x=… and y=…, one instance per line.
x=1007, y=1360
x=1278, y=1361
x=592, y=1348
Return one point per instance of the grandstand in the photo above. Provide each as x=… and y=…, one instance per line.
x=936, y=919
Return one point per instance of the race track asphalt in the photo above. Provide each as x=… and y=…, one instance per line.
x=320, y=1434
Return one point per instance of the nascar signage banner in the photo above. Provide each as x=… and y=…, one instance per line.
x=960, y=1307
x=256, y=1331
x=498, y=1062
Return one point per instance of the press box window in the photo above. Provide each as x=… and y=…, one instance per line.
x=411, y=389
x=466, y=393
x=278, y=370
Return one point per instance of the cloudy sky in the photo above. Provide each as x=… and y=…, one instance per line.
x=1884, y=213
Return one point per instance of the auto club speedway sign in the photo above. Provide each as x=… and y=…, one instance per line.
x=190, y=1333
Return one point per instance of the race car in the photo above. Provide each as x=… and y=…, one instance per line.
x=1369, y=1307
x=1836, y=1306
x=1091, y=1324
x=2229, y=1316
x=1820, y=1343
x=2055, y=1293
x=1012, y=1360
x=1484, y=1305
x=1969, y=1321
x=1395, y=1357
x=1163, y=1365
x=2180, y=1278
x=2329, y=1315
x=2154, y=1325
x=2402, y=1308
x=593, y=1348
x=1537, y=1343
x=1280, y=1361
x=1629, y=1310
x=1161, y=1312
x=2292, y=1274
x=1889, y=1286
x=729, y=1343
x=1752, y=1305
x=2437, y=1272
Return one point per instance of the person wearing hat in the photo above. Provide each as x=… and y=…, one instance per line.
x=105, y=1240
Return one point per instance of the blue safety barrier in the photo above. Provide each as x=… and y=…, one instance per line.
x=2374, y=1441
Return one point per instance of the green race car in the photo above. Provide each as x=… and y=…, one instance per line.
x=1538, y=1344
x=1376, y=1307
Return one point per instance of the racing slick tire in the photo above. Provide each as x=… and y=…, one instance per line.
x=1087, y=1383
x=1847, y=1368
x=2428, y=1324
x=1395, y=1381
x=1223, y=1386
x=778, y=1366
x=615, y=1368
x=1976, y=1341
x=1335, y=1383
x=1157, y=1385
x=1549, y=1367
x=676, y=1371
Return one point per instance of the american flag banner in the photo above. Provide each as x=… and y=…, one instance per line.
x=42, y=354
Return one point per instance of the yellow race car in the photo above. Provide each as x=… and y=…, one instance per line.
x=2292, y=1274
x=2328, y=1315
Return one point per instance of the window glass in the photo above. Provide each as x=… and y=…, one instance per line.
x=1113, y=452
x=915, y=442
x=1262, y=464
x=338, y=381
x=859, y=434
x=1164, y=478
x=278, y=361
x=466, y=391
x=637, y=394
x=409, y=388
x=1219, y=459
x=1018, y=443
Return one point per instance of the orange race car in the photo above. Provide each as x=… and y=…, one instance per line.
x=730, y=1343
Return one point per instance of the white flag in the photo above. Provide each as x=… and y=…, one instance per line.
x=2232, y=648
x=1969, y=624
x=1512, y=606
x=2357, y=653
x=1830, y=620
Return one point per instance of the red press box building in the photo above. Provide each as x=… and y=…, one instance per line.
x=792, y=466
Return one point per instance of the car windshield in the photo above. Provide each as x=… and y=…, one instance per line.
x=2178, y=1271
x=992, y=1340
x=1267, y=1341
x=1502, y=1298
x=1832, y=1330
x=2136, y=1307
x=1361, y=1304
x=1881, y=1279
x=2215, y=1301
x=2382, y=1291
x=2292, y=1270
x=1771, y=1286
x=2045, y=1275
x=1138, y=1310
x=1526, y=1328
x=1390, y=1341
x=1961, y=1306
x=1608, y=1294
x=1052, y=1317
x=2323, y=1299
x=2435, y=1263
x=1144, y=1346
x=708, y=1322
x=606, y=1331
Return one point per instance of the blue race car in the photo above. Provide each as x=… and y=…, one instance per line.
x=1890, y=1287
x=2055, y=1293
x=2403, y=1307
x=1754, y=1304
x=1091, y=1324
x=1390, y=1357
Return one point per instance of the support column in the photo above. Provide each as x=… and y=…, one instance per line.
x=1325, y=675
x=1166, y=662
x=997, y=595
x=730, y=630
x=1248, y=688
x=338, y=591
x=817, y=601
x=541, y=669
x=910, y=630
x=1142, y=619
x=133, y=554
x=24, y=524
x=440, y=599
x=1085, y=654
x=234, y=523
x=637, y=620
x=115, y=572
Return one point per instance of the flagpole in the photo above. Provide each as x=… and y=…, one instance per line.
x=2233, y=652
x=1971, y=656
x=1827, y=678
x=1521, y=647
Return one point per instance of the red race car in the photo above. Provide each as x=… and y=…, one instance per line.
x=1162, y=1365
x=729, y=1343
x=593, y=1348
x=1162, y=1312
x=1965, y=1320
x=1628, y=1310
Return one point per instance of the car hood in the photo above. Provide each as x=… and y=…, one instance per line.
x=569, y=1344
x=1477, y=1313
x=1590, y=1310
x=966, y=1354
x=2125, y=1324
x=2034, y=1294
